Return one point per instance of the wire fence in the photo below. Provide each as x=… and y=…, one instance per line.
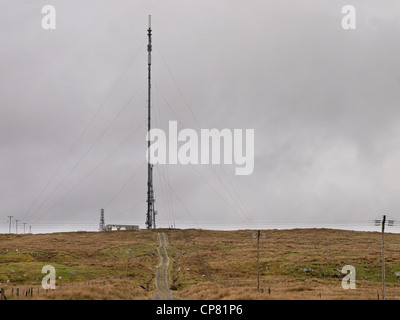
x=25, y=292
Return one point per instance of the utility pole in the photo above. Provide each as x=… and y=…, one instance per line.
x=9, y=228
x=24, y=226
x=383, y=223
x=16, y=226
x=258, y=256
x=150, y=217
x=383, y=257
x=30, y=229
x=258, y=260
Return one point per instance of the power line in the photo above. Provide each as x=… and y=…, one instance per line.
x=16, y=226
x=282, y=225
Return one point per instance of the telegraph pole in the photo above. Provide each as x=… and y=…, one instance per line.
x=383, y=223
x=258, y=256
x=24, y=226
x=150, y=217
x=383, y=257
x=16, y=226
x=258, y=260
x=9, y=228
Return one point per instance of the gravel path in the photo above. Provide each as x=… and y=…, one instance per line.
x=163, y=292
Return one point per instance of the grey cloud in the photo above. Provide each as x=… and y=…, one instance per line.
x=323, y=102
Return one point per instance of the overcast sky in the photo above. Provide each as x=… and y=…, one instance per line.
x=324, y=103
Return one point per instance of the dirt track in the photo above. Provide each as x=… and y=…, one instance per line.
x=163, y=292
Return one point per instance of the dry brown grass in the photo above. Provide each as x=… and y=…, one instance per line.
x=222, y=265
x=204, y=264
x=115, y=289
x=79, y=257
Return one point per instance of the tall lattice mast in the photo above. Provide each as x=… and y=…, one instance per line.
x=150, y=217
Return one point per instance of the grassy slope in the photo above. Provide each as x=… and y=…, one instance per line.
x=204, y=264
x=79, y=257
x=228, y=261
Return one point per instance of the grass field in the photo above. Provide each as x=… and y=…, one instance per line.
x=294, y=264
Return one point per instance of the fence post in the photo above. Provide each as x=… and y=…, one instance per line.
x=12, y=293
x=17, y=289
x=3, y=297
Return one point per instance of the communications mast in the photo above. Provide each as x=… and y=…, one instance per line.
x=150, y=216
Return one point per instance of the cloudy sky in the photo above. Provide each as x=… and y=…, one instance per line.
x=324, y=103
